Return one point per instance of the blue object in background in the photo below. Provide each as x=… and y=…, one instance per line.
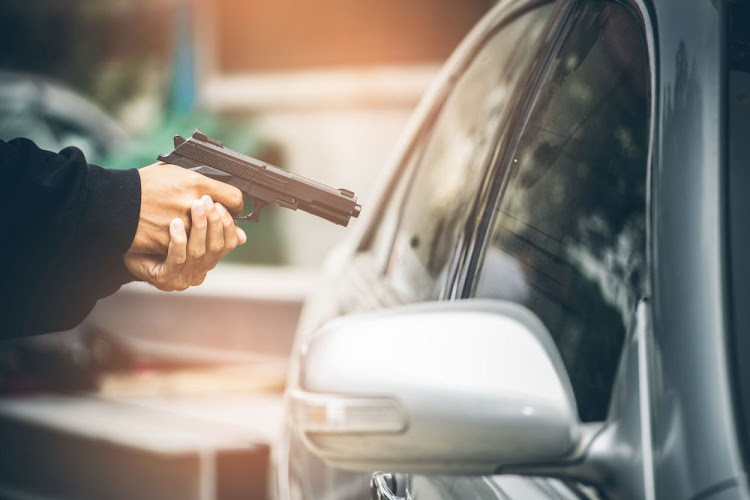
x=182, y=89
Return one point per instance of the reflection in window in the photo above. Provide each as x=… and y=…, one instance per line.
x=451, y=162
x=569, y=237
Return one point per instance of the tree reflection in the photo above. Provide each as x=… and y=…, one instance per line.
x=573, y=212
x=451, y=163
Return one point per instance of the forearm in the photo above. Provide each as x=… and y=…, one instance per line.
x=68, y=224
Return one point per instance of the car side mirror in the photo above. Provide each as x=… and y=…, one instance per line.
x=449, y=387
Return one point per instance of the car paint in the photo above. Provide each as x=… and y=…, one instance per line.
x=350, y=283
x=694, y=428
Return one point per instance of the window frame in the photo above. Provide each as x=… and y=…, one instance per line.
x=468, y=267
x=467, y=270
x=407, y=168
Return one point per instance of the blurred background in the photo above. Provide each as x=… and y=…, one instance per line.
x=176, y=395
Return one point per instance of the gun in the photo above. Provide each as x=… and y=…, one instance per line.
x=261, y=181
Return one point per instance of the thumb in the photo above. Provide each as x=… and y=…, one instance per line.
x=142, y=266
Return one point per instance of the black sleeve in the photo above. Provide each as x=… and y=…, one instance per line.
x=65, y=226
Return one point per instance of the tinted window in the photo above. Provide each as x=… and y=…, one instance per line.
x=451, y=161
x=568, y=240
x=738, y=190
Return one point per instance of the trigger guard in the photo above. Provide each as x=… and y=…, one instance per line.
x=254, y=216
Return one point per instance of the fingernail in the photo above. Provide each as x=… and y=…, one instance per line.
x=241, y=236
x=208, y=203
x=176, y=224
x=198, y=208
x=220, y=208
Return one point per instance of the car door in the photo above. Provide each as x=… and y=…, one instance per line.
x=567, y=223
x=410, y=252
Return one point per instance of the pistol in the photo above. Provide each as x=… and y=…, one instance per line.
x=261, y=181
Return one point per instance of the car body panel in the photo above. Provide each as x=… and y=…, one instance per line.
x=695, y=442
x=671, y=430
x=352, y=283
x=618, y=459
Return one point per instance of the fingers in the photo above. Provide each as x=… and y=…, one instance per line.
x=231, y=239
x=222, y=234
x=170, y=273
x=176, y=257
x=196, y=248
x=229, y=196
x=213, y=235
x=197, y=242
x=167, y=191
x=220, y=237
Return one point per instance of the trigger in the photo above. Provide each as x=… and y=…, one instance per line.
x=254, y=216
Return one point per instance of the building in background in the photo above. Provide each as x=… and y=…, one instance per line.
x=321, y=88
x=331, y=82
x=327, y=84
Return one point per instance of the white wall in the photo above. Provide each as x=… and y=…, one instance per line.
x=343, y=149
x=336, y=127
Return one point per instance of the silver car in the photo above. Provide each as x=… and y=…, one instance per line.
x=550, y=297
x=54, y=116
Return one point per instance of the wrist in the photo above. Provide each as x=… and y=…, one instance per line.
x=113, y=207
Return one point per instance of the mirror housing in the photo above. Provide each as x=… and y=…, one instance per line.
x=449, y=387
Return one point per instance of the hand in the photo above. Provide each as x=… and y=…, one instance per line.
x=166, y=193
x=213, y=235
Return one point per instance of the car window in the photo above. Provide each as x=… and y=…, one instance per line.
x=450, y=162
x=568, y=240
x=738, y=188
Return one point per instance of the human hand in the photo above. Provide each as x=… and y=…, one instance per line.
x=167, y=192
x=213, y=235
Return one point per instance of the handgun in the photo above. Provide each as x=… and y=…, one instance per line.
x=261, y=181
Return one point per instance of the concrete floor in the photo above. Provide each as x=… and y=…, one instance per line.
x=86, y=446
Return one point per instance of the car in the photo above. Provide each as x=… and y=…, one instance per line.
x=54, y=116
x=549, y=298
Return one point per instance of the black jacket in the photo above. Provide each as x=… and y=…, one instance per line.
x=65, y=226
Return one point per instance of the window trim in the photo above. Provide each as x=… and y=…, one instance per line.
x=467, y=266
x=406, y=170
x=467, y=271
x=471, y=253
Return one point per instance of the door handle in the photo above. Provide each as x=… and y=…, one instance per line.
x=386, y=486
